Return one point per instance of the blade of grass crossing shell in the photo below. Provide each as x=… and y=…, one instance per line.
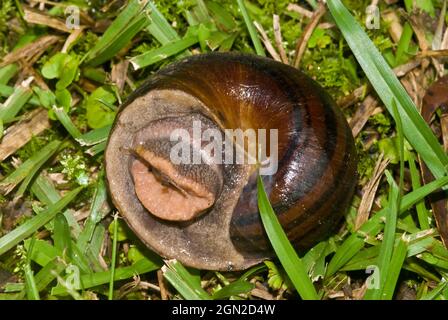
x=355, y=242
x=390, y=89
x=183, y=282
x=251, y=28
x=288, y=257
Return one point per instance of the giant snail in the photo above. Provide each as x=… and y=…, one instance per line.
x=206, y=215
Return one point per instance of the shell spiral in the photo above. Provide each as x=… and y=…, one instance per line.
x=310, y=191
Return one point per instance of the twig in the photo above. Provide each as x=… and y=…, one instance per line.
x=370, y=191
x=267, y=43
x=21, y=133
x=28, y=51
x=163, y=290
x=278, y=38
x=303, y=41
x=42, y=19
x=72, y=38
x=300, y=10
x=363, y=90
x=433, y=53
x=363, y=114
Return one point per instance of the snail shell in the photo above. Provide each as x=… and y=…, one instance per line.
x=206, y=215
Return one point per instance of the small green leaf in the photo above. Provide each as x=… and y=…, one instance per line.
x=121, y=231
x=99, y=115
x=69, y=72
x=64, y=99
x=319, y=39
x=53, y=67
x=61, y=66
x=277, y=277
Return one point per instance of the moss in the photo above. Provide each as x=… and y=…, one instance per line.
x=6, y=12
x=85, y=43
x=382, y=123
x=366, y=162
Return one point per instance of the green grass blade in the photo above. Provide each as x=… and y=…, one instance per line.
x=393, y=271
x=12, y=106
x=8, y=72
x=45, y=191
x=390, y=89
x=127, y=24
x=251, y=28
x=97, y=149
x=233, y=289
x=159, y=54
x=95, y=279
x=288, y=257
x=183, y=281
x=422, y=212
x=114, y=259
x=32, y=225
x=385, y=259
x=48, y=273
x=66, y=122
x=29, y=167
x=435, y=292
x=355, y=242
x=403, y=44
x=43, y=252
x=159, y=27
x=36, y=167
x=98, y=210
x=32, y=292
x=61, y=235
x=6, y=91
x=94, y=136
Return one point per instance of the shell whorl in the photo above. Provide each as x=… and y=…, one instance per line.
x=316, y=157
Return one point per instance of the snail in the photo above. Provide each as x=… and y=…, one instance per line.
x=205, y=214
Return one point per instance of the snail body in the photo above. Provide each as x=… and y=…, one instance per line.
x=206, y=215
